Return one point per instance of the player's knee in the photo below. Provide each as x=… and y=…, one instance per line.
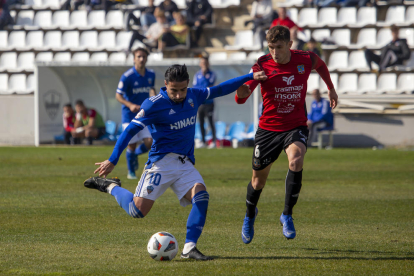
x=258, y=183
x=134, y=211
x=296, y=164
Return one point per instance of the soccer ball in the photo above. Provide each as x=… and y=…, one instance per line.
x=162, y=246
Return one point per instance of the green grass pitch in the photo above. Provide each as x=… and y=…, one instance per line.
x=355, y=216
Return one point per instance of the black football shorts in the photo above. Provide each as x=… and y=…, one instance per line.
x=269, y=144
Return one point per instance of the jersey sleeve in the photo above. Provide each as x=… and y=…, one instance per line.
x=122, y=85
x=92, y=113
x=251, y=83
x=202, y=94
x=320, y=67
x=146, y=115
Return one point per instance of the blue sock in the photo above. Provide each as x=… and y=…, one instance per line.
x=131, y=159
x=125, y=199
x=197, y=216
x=141, y=149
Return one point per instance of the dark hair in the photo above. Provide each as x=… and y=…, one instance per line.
x=394, y=28
x=205, y=56
x=278, y=33
x=142, y=50
x=312, y=40
x=79, y=102
x=177, y=73
x=68, y=105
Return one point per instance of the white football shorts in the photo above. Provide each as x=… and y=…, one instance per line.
x=168, y=172
x=139, y=136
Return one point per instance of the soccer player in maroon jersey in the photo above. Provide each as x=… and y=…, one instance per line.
x=283, y=123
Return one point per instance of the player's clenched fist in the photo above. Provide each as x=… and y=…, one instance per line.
x=105, y=168
x=259, y=76
x=333, y=98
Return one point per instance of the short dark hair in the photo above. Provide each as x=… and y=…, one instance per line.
x=177, y=73
x=142, y=50
x=278, y=33
x=312, y=40
x=394, y=28
x=68, y=105
x=79, y=102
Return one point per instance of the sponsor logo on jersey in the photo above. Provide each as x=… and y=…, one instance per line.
x=140, y=114
x=289, y=96
x=301, y=69
x=184, y=123
x=289, y=80
x=136, y=83
x=190, y=101
x=171, y=112
x=141, y=90
x=285, y=108
x=274, y=72
x=120, y=85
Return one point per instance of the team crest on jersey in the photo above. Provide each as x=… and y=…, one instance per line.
x=150, y=189
x=301, y=69
x=149, y=81
x=140, y=114
x=190, y=101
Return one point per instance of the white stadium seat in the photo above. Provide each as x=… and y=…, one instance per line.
x=62, y=57
x=383, y=37
x=407, y=33
x=52, y=40
x=387, y=83
x=409, y=15
x=410, y=62
x=88, y=40
x=99, y=57
x=61, y=19
x=44, y=57
x=17, y=83
x=367, y=83
x=78, y=19
x=25, y=18
x=327, y=16
x=367, y=37
x=244, y=40
x=3, y=39
x=53, y=4
x=154, y=56
x=348, y=83
x=117, y=58
x=255, y=55
x=313, y=82
x=122, y=40
x=115, y=19
x=237, y=56
x=30, y=83
x=342, y=37
x=70, y=40
x=80, y=57
x=366, y=16
x=43, y=19
x=338, y=60
x=34, y=39
x=405, y=83
x=321, y=34
x=106, y=40
x=395, y=15
x=346, y=16
x=357, y=61
x=293, y=14
x=96, y=19
x=25, y=61
x=308, y=16
x=218, y=56
x=8, y=61
x=4, y=83
x=17, y=39
x=322, y=84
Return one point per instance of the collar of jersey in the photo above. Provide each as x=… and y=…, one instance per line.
x=163, y=91
x=138, y=74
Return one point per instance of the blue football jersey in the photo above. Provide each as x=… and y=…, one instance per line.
x=203, y=81
x=135, y=89
x=172, y=125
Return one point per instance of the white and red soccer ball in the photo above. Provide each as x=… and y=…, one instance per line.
x=162, y=246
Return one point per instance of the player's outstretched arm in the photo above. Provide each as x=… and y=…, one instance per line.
x=323, y=71
x=107, y=166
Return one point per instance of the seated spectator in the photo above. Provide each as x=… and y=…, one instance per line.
x=89, y=123
x=320, y=115
x=313, y=46
x=154, y=33
x=199, y=12
x=69, y=124
x=297, y=44
x=146, y=19
x=175, y=35
x=169, y=7
x=284, y=20
x=394, y=53
x=5, y=17
x=261, y=14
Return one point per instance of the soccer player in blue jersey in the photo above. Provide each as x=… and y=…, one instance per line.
x=170, y=117
x=203, y=79
x=135, y=85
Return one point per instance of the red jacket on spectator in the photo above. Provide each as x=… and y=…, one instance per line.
x=284, y=22
x=68, y=123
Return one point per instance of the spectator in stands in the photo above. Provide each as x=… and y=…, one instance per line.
x=284, y=20
x=199, y=12
x=320, y=115
x=5, y=17
x=261, y=14
x=297, y=44
x=154, y=32
x=203, y=79
x=69, y=124
x=169, y=7
x=313, y=46
x=89, y=123
x=394, y=53
x=176, y=34
x=146, y=19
